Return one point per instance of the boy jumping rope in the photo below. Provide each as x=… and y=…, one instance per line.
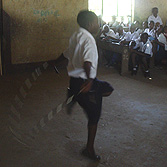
x=82, y=69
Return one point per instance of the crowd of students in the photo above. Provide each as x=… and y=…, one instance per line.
x=145, y=41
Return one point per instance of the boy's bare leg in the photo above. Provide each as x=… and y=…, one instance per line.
x=91, y=138
x=134, y=59
x=145, y=63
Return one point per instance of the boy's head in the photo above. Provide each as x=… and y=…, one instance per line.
x=106, y=28
x=151, y=24
x=88, y=20
x=145, y=24
x=132, y=28
x=165, y=30
x=119, y=29
x=157, y=24
x=155, y=11
x=144, y=37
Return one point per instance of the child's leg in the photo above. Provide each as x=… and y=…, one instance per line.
x=144, y=61
x=146, y=67
x=134, y=63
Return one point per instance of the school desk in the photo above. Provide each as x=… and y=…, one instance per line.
x=117, y=48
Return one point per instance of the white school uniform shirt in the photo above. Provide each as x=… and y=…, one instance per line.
x=131, y=36
x=139, y=31
x=163, y=40
x=155, y=19
x=82, y=47
x=146, y=48
x=117, y=36
x=111, y=33
x=150, y=33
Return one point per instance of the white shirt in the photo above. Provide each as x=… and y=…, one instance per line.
x=139, y=31
x=111, y=33
x=131, y=36
x=146, y=48
x=155, y=19
x=82, y=47
x=163, y=40
x=117, y=36
x=150, y=33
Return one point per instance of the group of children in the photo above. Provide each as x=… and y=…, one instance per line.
x=144, y=42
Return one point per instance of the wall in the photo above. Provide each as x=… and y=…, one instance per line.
x=143, y=9
x=40, y=29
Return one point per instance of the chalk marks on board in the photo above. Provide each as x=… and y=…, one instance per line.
x=33, y=3
x=44, y=14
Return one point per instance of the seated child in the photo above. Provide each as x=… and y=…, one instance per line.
x=107, y=33
x=138, y=27
x=145, y=25
x=120, y=33
x=150, y=31
x=130, y=35
x=141, y=55
x=162, y=53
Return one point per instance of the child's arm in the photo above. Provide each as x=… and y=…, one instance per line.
x=159, y=43
x=87, y=85
x=140, y=53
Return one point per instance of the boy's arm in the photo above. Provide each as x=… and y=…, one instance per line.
x=61, y=59
x=140, y=53
x=160, y=43
x=87, y=85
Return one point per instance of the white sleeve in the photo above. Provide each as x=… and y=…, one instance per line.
x=166, y=47
x=162, y=39
x=135, y=36
x=149, y=19
x=148, y=49
x=127, y=36
x=90, y=51
x=160, y=21
x=111, y=33
x=146, y=30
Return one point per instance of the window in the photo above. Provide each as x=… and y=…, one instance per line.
x=122, y=9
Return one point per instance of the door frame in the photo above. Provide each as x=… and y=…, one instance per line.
x=1, y=38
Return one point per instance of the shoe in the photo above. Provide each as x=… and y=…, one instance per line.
x=92, y=156
x=134, y=71
x=147, y=75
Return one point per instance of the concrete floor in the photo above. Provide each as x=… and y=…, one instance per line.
x=132, y=129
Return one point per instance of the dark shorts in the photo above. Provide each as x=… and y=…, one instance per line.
x=91, y=102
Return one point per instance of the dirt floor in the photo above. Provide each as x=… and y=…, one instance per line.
x=132, y=130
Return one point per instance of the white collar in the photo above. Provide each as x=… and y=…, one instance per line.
x=85, y=31
x=154, y=16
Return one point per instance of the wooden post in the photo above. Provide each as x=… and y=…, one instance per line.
x=125, y=61
x=1, y=30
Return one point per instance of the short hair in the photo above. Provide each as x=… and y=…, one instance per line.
x=106, y=25
x=155, y=8
x=152, y=21
x=144, y=35
x=85, y=17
